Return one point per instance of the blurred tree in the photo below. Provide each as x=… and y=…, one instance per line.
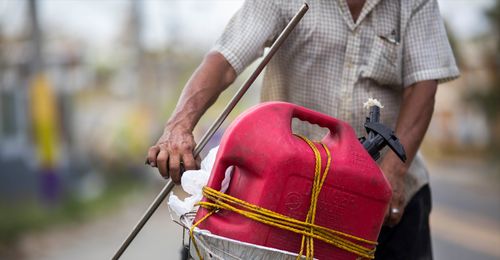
x=454, y=44
x=489, y=100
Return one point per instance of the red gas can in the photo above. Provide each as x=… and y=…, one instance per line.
x=274, y=169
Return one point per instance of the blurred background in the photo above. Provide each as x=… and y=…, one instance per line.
x=86, y=86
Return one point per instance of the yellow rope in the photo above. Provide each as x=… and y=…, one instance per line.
x=307, y=228
x=318, y=183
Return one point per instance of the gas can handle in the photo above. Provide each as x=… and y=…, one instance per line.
x=334, y=125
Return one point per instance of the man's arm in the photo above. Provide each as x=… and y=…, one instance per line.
x=176, y=144
x=415, y=115
x=247, y=34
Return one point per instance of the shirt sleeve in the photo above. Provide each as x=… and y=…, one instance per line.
x=427, y=53
x=253, y=28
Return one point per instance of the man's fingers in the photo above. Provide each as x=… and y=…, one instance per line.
x=395, y=215
x=152, y=154
x=396, y=210
x=189, y=162
x=174, y=168
x=162, y=163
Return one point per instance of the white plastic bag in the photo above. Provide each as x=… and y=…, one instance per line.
x=193, y=181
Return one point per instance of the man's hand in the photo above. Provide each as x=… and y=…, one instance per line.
x=397, y=204
x=414, y=117
x=175, y=147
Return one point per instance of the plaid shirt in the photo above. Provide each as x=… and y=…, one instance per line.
x=332, y=64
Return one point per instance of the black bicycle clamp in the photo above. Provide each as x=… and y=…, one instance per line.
x=380, y=136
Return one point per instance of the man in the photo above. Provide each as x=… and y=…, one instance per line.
x=340, y=54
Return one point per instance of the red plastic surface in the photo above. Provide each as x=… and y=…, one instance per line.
x=275, y=169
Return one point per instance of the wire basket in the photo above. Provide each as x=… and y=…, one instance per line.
x=216, y=247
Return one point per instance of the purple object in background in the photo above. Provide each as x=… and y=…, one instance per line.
x=50, y=186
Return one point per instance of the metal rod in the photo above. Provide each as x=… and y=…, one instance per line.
x=239, y=94
x=211, y=131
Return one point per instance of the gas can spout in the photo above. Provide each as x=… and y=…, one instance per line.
x=379, y=135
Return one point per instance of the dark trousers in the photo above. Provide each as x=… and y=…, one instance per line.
x=411, y=238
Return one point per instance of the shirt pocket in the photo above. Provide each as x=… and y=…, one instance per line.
x=384, y=63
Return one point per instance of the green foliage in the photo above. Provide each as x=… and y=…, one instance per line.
x=493, y=15
x=18, y=219
x=488, y=101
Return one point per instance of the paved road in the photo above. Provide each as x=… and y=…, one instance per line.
x=466, y=213
x=160, y=238
x=465, y=223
